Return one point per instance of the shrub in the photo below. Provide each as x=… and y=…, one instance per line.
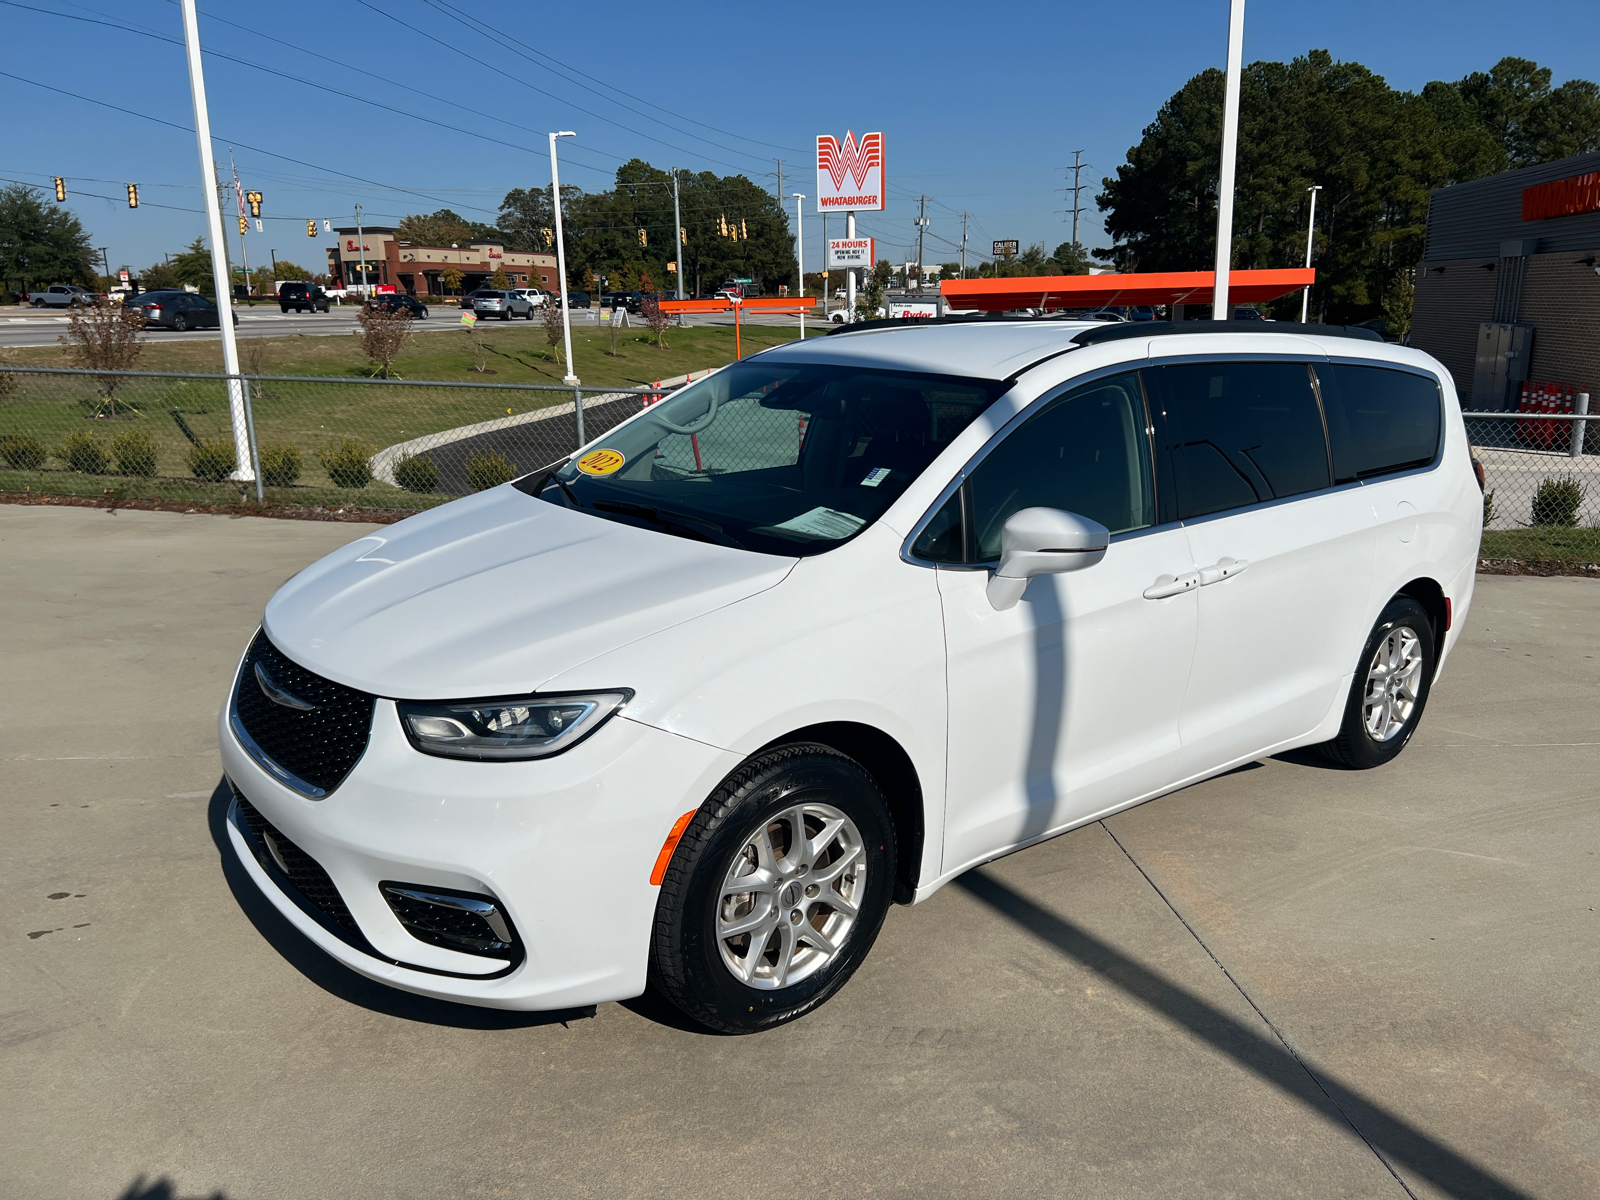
x=280, y=464
x=1557, y=502
x=22, y=451
x=489, y=468
x=1488, y=507
x=416, y=473
x=346, y=462
x=80, y=451
x=136, y=452
x=213, y=461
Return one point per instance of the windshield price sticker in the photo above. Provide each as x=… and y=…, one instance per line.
x=827, y=523
x=602, y=462
x=875, y=476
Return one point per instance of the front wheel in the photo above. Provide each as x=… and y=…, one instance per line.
x=776, y=891
x=1390, y=689
x=180, y=323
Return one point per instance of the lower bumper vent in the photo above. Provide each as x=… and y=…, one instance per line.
x=459, y=921
x=301, y=870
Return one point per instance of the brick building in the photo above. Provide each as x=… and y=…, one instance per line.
x=1509, y=285
x=419, y=270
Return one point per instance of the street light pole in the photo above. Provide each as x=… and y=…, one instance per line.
x=570, y=379
x=1220, y=311
x=238, y=401
x=800, y=254
x=1311, y=224
x=677, y=232
x=361, y=249
x=106, y=262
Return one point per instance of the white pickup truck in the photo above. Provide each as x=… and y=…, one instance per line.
x=61, y=295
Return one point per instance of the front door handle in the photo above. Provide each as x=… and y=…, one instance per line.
x=1224, y=568
x=1172, y=585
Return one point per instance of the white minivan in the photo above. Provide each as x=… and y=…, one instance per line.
x=692, y=708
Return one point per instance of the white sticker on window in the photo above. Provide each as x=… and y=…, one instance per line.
x=819, y=523
x=875, y=476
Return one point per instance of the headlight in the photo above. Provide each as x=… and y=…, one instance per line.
x=508, y=727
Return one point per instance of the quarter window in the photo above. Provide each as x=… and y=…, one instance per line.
x=1239, y=433
x=1379, y=421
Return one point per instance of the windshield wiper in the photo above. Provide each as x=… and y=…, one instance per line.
x=549, y=477
x=706, y=531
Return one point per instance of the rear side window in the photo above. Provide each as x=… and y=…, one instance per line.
x=1379, y=420
x=1239, y=433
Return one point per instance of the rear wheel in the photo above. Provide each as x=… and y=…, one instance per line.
x=1390, y=689
x=776, y=892
x=283, y=308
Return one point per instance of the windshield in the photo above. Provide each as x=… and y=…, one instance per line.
x=772, y=457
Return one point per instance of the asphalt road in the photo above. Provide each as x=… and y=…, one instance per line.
x=1288, y=981
x=29, y=328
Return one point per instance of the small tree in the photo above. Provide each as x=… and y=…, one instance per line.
x=1397, y=303
x=658, y=321
x=552, y=328
x=383, y=333
x=500, y=279
x=105, y=337
x=871, y=297
x=451, y=278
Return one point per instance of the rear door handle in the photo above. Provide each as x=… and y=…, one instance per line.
x=1172, y=585
x=1225, y=568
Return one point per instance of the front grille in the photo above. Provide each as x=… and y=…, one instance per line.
x=317, y=747
x=303, y=871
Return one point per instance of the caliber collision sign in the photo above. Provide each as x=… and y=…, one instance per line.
x=850, y=173
x=847, y=254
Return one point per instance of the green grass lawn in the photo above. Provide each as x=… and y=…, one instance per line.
x=518, y=352
x=310, y=415
x=1543, y=544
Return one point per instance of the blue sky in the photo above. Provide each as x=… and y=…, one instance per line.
x=981, y=108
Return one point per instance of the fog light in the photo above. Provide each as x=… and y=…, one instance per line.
x=460, y=921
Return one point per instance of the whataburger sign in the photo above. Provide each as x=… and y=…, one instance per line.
x=850, y=173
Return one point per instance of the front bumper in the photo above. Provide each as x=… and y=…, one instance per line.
x=564, y=845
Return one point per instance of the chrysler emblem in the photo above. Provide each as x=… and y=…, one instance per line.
x=278, y=695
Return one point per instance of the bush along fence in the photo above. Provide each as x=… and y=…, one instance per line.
x=364, y=443
x=1541, y=500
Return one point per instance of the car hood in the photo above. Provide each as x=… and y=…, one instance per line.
x=496, y=594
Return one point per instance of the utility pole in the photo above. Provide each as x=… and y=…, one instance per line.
x=800, y=254
x=1311, y=225
x=107, y=262
x=1220, y=309
x=922, y=223
x=964, y=217
x=361, y=249
x=1077, y=190
x=780, y=181
x=238, y=192
x=238, y=397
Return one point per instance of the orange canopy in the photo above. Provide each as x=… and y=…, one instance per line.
x=754, y=304
x=1107, y=291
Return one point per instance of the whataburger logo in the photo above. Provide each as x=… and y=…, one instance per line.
x=860, y=162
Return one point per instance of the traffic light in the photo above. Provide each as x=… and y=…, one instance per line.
x=549, y=238
x=133, y=195
x=255, y=203
x=722, y=225
x=243, y=225
x=311, y=229
x=61, y=188
x=644, y=239
x=744, y=233
x=683, y=235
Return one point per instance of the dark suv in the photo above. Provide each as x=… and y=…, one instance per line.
x=301, y=296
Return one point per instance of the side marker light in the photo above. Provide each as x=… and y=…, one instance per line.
x=659, y=872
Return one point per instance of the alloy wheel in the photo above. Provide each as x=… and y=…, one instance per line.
x=1393, y=679
x=791, y=896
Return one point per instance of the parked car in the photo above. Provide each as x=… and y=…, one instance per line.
x=577, y=299
x=177, y=311
x=301, y=296
x=534, y=296
x=502, y=304
x=61, y=295
x=695, y=707
x=390, y=301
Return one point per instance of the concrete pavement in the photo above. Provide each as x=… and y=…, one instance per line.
x=1289, y=981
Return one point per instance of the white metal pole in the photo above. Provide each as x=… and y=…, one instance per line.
x=561, y=262
x=677, y=232
x=219, y=254
x=361, y=249
x=1311, y=225
x=1220, y=311
x=799, y=253
x=850, y=275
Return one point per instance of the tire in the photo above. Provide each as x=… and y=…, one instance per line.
x=180, y=323
x=505, y=314
x=728, y=983
x=38, y=303
x=283, y=308
x=1402, y=637
x=423, y=315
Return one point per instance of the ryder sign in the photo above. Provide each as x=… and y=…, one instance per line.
x=850, y=173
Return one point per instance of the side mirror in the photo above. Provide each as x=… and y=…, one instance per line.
x=1043, y=541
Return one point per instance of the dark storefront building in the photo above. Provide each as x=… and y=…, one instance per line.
x=1508, y=292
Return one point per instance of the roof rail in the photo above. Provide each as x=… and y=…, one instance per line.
x=1132, y=329
x=919, y=322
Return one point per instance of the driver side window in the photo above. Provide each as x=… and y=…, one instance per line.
x=1086, y=452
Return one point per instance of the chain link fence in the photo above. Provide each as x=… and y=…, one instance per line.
x=1541, y=498
x=346, y=442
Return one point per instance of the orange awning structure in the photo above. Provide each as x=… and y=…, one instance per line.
x=766, y=304
x=1112, y=291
